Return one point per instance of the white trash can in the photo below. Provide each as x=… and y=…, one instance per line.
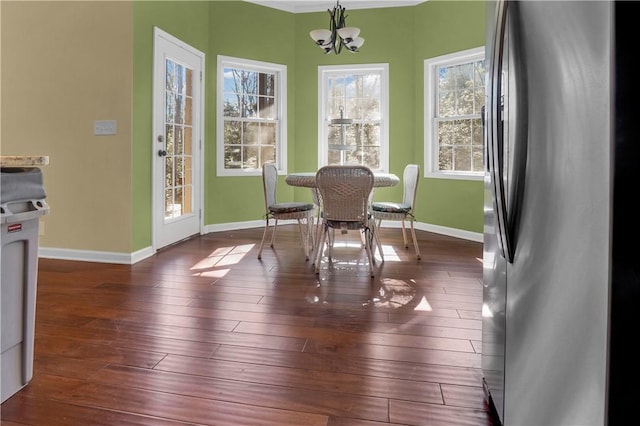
x=21, y=206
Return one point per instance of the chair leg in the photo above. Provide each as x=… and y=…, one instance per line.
x=318, y=233
x=368, y=236
x=331, y=238
x=320, y=247
x=322, y=236
x=377, y=224
x=311, y=237
x=404, y=235
x=304, y=239
x=308, y=236
x=264, y=234
x=331, y=241
x=273, y=235
x=415, y=240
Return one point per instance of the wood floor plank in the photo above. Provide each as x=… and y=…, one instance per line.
x=196, y=335
x=463, y=396
x=291, y=398
x=390, y=339
x=129, y=340
x=73, y=349
x=418, y=414
x=426, y=356
x=415, y=328
x=32, y=411
x=182, y=407
x=462, y=376
x=304, y=379
x=229, y=312
x=83, y=315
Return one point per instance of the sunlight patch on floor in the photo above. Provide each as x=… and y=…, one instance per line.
x=393, y=294
x=212, y=265
x=423, y=305
x=390, y=254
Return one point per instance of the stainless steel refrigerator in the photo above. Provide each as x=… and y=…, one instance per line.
x=561, y=264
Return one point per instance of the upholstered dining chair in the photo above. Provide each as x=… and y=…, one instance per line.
x=344, y=195
x=387, y=210
x=303, y=213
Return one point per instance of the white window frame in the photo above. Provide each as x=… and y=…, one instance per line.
x=431, y=144
x=281, y=107
x=332, y=70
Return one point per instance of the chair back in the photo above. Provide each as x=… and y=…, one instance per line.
x=410, y=179
x=344, y=192
x=269, y=182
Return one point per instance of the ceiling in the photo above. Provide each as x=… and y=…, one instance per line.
x=302, y=6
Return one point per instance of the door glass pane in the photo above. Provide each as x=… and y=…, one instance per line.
x=179, y=140
x=187, y=171
x=179, y=144
x=188, y=112
x=168, y=172
x=186, y=200
x=187, y=141
x=189, y=83
x=177, y=201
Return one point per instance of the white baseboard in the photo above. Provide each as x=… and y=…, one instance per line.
x=95, y=256
x=131, y=258
x=231, y=226
x=442, y=230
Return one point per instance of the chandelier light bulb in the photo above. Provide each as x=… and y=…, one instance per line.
x=321, y=37
x=355, y=44
x=348, y=33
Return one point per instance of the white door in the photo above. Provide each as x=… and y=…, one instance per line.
x=177, y=139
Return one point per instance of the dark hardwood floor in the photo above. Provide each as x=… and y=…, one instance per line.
x=204, y=333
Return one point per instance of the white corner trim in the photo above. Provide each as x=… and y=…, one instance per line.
x=142, y=254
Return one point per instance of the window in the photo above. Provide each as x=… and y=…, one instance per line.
x=360, y=94
x=251, y=116
x=454, y=96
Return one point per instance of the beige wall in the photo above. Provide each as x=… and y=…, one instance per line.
x=64, y=65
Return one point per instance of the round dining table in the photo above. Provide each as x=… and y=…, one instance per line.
x=308, y=179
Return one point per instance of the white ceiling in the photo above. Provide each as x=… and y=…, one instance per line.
x=302, y=6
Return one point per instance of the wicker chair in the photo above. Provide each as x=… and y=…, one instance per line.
x=304, y=213
x=400, y=211
x=315, y=197
x=344, y=196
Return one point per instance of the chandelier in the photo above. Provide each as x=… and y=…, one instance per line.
x=338, y=35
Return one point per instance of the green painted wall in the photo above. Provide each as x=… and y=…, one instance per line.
x=402, y=37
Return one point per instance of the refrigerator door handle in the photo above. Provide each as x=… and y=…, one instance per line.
x=495, y=133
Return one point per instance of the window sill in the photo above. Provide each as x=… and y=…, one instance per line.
x=455, y=176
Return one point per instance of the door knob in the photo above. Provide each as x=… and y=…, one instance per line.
x=162, y=153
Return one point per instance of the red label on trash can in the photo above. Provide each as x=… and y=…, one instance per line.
x=16, y=227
